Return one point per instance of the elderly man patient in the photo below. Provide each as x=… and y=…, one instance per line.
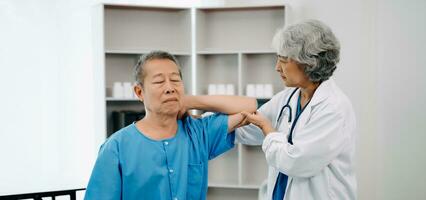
x=162, y=157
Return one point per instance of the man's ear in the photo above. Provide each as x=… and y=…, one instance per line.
x=137, y=88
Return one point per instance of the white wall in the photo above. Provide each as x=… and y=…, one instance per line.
x=46, y=107
x=382, y=68
x=49, y=103
x=401, y=62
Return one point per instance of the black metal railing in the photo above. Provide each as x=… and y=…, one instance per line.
x=39, y=195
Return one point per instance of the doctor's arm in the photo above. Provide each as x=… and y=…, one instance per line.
x=231, y=105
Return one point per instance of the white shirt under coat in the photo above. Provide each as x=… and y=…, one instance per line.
x=320, y=163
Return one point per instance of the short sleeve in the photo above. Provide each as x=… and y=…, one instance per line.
x=105, y=181
x=219, y=140
x=211, y=133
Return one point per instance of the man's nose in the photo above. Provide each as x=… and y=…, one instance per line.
x=170, y=89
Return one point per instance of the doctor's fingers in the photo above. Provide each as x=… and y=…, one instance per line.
x=253, y=118
x=243, y=121
x=249, y=116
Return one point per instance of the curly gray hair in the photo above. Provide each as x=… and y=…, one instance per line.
x=313, y=45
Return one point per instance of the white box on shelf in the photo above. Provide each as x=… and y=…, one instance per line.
x=251, y=90
x=268, y=91
x=118, y=90
x=230, y=89
x=221, y=89
x=212, y=90
x=128, y=90
x=259, y=91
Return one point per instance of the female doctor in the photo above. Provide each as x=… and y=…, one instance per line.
x=307, y=131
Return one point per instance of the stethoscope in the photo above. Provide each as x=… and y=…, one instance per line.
x=290, y=114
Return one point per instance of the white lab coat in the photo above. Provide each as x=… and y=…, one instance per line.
x=320, y=163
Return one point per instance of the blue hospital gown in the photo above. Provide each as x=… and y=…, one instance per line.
x=133, y=166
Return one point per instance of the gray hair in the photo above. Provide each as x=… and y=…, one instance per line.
x=139, y=72
x=313, y=45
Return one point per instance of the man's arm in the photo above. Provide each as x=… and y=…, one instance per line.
x=231, y=105
x=236, y=121
x=221, y=103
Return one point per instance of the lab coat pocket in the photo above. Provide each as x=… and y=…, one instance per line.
x=195, y=181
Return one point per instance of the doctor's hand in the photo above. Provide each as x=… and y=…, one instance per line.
x=258, y=120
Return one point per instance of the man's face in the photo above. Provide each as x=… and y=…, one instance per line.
x=162, y=89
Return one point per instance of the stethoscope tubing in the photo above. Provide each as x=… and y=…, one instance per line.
x=287, y=105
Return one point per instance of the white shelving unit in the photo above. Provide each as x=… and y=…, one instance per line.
x=214, y=45
x=255, y=63
x=130, y=28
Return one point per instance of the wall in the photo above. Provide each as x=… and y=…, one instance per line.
x=47, y=110
x=401, y=45
x=382, y=68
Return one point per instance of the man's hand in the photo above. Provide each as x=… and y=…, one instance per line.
x=185, y=107
x=258, y=120
x=183, y=112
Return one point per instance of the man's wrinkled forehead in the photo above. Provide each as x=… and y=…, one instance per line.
x=160, y=69
x=157, y=66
